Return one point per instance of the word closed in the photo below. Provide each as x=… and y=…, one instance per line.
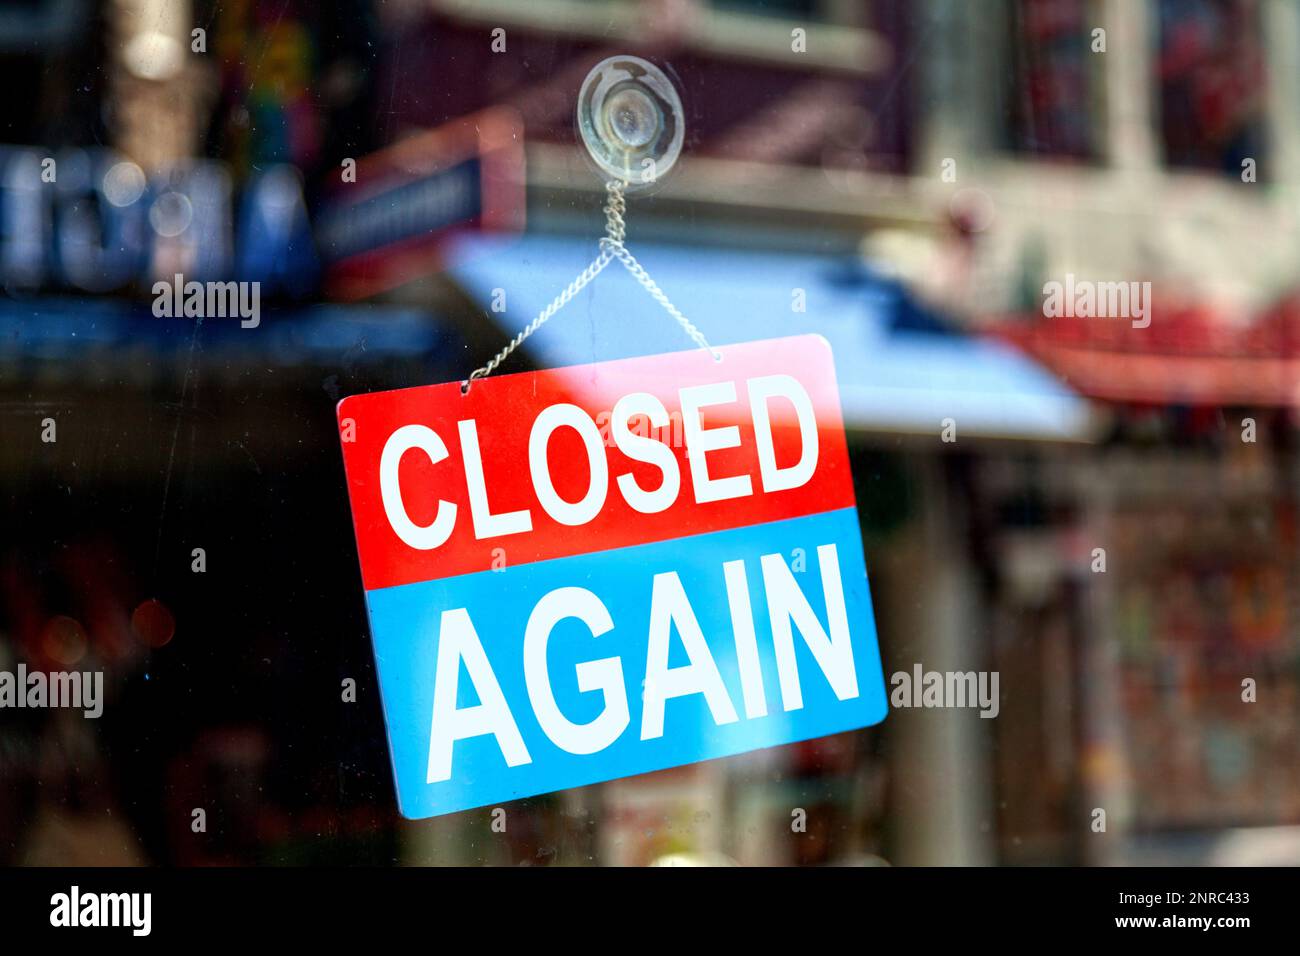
x=560, y=593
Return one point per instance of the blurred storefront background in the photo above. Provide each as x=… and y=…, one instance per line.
x=1102, y=512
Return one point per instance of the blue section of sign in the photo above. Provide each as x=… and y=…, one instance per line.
x=426, y=205
x=406, y=622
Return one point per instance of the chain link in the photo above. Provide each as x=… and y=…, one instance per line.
x=611, y=248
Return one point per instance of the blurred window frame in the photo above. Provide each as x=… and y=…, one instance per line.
x=841, y=40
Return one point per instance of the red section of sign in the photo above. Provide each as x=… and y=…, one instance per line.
x=504, y=410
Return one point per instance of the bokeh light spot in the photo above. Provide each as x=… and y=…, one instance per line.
x=63, y=640
x=153, y=623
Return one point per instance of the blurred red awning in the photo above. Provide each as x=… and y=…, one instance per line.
x=1188, y=355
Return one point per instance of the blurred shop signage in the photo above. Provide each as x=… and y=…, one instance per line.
x=389, y=226
x=582, y=574
x=90, y=220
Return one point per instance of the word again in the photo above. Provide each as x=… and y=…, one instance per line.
x=670, y=611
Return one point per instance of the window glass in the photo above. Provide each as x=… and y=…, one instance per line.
x=1211, y=83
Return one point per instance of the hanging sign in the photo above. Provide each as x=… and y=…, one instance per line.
x=389, y=224
x=586, y=573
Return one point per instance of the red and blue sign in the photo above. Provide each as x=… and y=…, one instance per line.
x=391, y=224
x=586, y=573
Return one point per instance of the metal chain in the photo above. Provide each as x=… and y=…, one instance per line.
x=611, y=248
x=615, y=207
x=620, y=251
x=597, y=266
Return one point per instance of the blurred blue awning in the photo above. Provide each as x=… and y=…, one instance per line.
x=63, y=328
x=899, y=370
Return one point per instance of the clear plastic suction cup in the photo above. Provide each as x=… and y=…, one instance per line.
x=631, y=120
